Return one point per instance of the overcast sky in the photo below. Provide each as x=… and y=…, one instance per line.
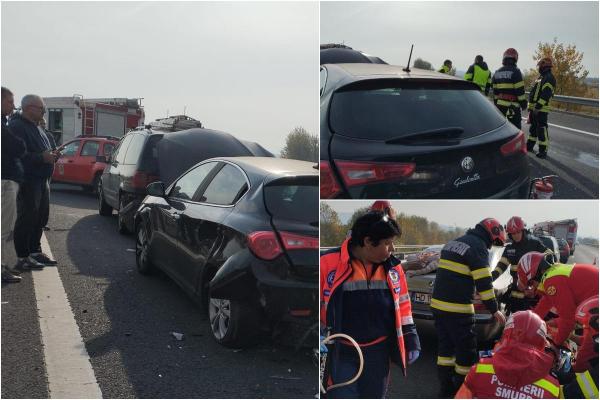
x=461, y=30
x=466, y=214
x=249, y=69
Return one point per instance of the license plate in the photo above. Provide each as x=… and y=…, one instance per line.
x=421, y=298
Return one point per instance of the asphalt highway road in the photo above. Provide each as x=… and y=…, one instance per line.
x=573, y=156
x=126, y=319
x=421, y=380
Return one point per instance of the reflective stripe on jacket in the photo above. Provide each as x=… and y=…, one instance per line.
x=541, y=92
x=335, y=269
x=481, y=76
x=509, y=88
x=564, y=287
x=463, y=267
x=484, y=384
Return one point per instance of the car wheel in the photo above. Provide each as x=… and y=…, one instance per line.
x=233, y=323
x=142, y=248
x=121, y=222
x=95, y=186
x=103, y=208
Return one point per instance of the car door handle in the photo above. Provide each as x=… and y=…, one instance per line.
x=70, y=161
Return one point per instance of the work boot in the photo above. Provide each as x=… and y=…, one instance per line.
x=10, y=270
x=7, y=277
x=530, y=146
x=43, y=259
x=542, y=154
x=447, y=390
x=28, y=263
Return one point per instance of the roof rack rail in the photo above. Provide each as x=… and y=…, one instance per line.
x=100, y=136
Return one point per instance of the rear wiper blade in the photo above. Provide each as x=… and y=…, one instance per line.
x=449, y=132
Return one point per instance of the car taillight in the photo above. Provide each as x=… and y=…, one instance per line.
x=292, y=241
x=515, y=145
x=265, y=245
x=572, y=228
x=329, y=184
x=141, y=179
x=359, y=173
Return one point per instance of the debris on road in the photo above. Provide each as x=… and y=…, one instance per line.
x=178, y=336
x=130, y=250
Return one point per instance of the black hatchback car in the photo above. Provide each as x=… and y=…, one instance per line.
x=146, y=155
x=240, y=236
x=388, y=133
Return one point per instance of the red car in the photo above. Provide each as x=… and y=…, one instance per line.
x=82, y=160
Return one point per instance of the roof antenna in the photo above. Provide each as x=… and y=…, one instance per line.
x=407, y=69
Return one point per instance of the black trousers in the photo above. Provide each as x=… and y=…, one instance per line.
x=33, y=210
x=538, y=132
x=457, y=350
x=513, y=114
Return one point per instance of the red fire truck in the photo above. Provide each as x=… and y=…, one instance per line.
x=70, y=117
x=564, y=229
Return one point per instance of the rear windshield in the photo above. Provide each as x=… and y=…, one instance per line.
x=384, y=109
x=149, y=162
x=294, y=199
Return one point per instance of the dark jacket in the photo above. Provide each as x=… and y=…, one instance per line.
x=33, y=162
x=509, y=88
x=464, y=267
x=13, y=148
x=542, y=91
x=513, y=253
x=335, y=269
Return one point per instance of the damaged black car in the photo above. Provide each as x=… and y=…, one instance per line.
x=240, y=235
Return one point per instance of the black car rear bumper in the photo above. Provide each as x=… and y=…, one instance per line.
x=281, y=295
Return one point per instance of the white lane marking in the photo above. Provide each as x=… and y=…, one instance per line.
x=70, y=373
x=570, y=129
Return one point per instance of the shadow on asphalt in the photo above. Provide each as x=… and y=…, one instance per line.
x=126, y=320
x=77, y=197
x=562, y=188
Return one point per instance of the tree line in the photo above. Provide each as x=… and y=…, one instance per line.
x=569, y=71
x=415, y=229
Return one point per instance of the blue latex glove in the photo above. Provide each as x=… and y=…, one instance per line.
x=322, y=346
x=413, y=355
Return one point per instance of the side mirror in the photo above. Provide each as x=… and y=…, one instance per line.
x=156, y=189
x=101, y=159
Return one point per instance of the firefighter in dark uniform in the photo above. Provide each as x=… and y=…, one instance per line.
x=463, y=266
x=480, y=74
x=446, y=68
x=539, y=105
x=509, y=88
x=521, y=242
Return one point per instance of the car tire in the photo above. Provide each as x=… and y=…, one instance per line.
x=95, y=186
x=142, y=242
x=103, y=208
x=121, y=223
x=234, y=323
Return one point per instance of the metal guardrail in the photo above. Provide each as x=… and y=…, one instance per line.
x=582, y=101
x=577, y=100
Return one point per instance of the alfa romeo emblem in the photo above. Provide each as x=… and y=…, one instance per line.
x=467, y=164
